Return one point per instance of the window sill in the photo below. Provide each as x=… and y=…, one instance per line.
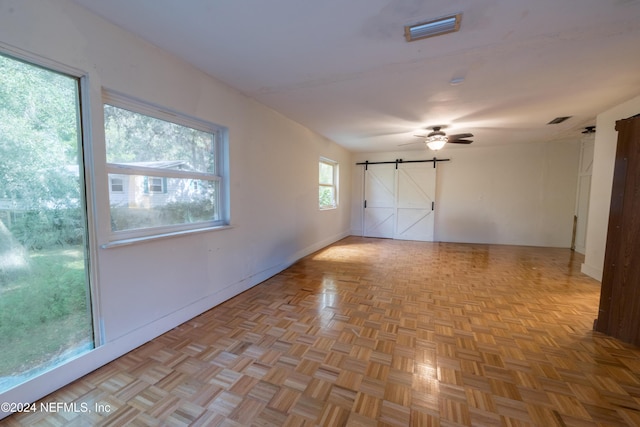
x=145, y=239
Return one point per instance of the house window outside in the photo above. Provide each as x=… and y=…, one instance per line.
x=171, y=165
x=155, y=184
x=328, y=183
x=117, y=185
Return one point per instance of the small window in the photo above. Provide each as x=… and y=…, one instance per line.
x=117, y=185
x=173, y=166
x=328, y=180
x=155, y=185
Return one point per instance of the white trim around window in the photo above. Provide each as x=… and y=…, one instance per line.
x=173, y=170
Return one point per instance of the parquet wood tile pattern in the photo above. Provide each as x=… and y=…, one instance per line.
x=374, y=332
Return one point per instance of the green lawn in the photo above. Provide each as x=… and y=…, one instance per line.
x=43, y=311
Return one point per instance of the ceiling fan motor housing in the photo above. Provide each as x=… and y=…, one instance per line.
x=436, y=131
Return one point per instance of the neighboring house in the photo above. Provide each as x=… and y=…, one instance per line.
x=137, y=191
x=131, y=191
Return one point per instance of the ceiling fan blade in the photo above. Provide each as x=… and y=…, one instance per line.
x=460, y=141
x=460, y=136
x=420, y=136
x=409, y=143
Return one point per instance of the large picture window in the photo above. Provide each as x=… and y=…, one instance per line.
x=169, y=169
x=45, y=314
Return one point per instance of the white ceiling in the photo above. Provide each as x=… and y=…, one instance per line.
x=344, y=69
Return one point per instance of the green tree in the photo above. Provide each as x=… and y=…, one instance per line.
x=133, y=137
x=38, y=151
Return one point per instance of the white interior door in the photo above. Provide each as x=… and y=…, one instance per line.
x=399, y=203
x=380, y=200
x=415, y=201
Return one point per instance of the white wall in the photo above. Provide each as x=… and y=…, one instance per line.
x=146, y=289
x=601, y=181
x=516, y=195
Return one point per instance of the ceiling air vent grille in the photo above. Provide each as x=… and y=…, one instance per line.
x=435, y=27
x=559, y=120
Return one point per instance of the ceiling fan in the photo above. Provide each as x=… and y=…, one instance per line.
x=437, y=139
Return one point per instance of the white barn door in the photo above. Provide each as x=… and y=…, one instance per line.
x=415, y=201
x=380, y=200
x=399, y=203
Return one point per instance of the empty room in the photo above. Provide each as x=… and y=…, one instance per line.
x=362, y=213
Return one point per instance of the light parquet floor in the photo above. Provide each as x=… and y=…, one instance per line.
x=372, y=332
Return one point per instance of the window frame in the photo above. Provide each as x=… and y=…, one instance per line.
x=335, y=167
x=220, y=174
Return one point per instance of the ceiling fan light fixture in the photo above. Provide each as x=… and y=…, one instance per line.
x=435, y=27
x=437, y=141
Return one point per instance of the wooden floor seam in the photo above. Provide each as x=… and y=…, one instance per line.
x=377, y=332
